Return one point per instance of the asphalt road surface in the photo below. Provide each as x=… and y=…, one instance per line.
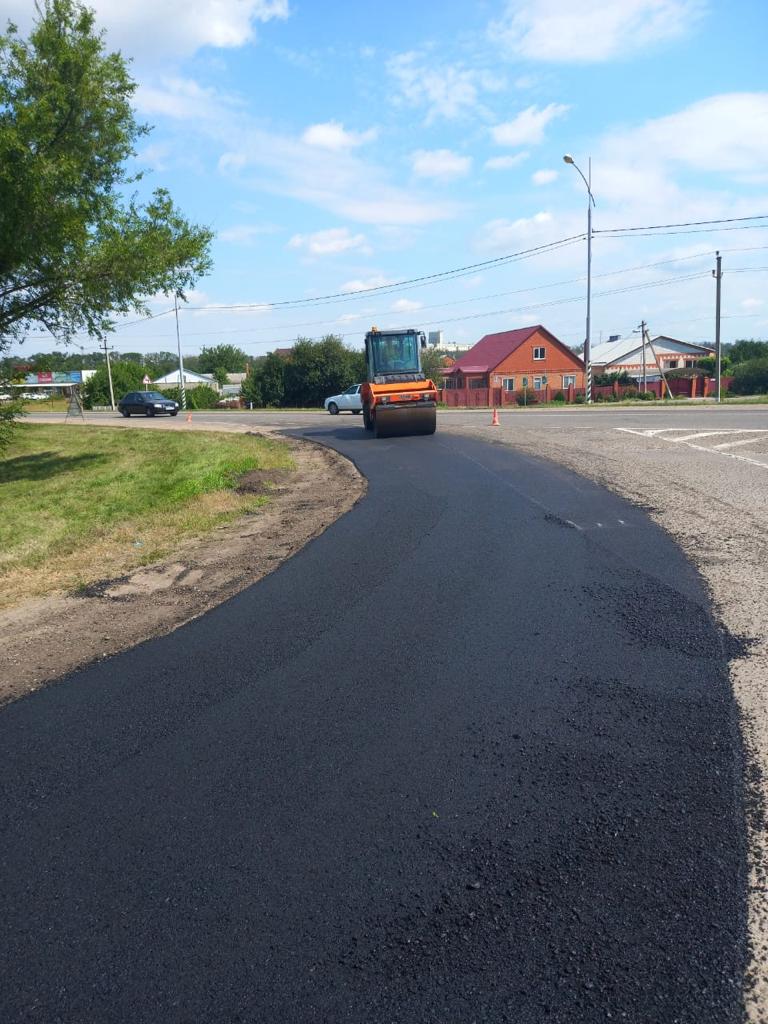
x=469, y=756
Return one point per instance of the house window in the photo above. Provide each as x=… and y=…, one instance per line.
x=569, y=380
x=476, y=382
x=539, y=352
x=672, y=364
x=539, y=383
x=690, y=362
x=508, y=383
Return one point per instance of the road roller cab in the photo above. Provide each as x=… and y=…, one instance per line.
x=398, y=399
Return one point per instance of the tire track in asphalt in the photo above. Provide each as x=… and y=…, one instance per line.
x=453, y=761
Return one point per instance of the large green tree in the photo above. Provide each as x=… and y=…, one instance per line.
x=75, y=249
x=126, y=377
x=231, y=358
x=318, y=369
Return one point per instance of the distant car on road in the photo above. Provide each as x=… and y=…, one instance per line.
x=347, y=401
x=147, y=403
x=35, y=396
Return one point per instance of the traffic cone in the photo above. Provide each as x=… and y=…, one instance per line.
x=189, y=417
x=495, y=420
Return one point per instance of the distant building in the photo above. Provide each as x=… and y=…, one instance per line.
x=625, y=355
x=191, y=380
x=531, y=357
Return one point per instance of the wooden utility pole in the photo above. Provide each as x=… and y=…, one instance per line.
x=718, y=276
x=656, y=360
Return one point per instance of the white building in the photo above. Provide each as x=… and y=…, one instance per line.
x=626, y=355
x=191, y=380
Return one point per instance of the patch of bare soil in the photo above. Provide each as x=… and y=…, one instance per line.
x=42, y=640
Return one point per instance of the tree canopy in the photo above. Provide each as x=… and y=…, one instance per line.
x=74, y=249
x=313, y=371
x=231, y=358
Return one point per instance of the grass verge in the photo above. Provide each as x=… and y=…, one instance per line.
x=87, y=503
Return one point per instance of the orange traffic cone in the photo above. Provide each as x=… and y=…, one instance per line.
x=189, y=417
x=495, y=420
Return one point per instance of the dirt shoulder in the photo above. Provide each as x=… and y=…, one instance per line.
x=45, y=639
x=715, y=507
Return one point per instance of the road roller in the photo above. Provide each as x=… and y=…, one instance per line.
x=398, y=400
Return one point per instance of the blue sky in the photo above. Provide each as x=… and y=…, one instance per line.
x=341, y=146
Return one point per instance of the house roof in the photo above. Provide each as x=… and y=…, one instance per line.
x=491, y=349
x=625, y=349
x=173, y=377
x=494, y=348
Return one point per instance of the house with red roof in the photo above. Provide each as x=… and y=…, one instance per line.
x=527, y=358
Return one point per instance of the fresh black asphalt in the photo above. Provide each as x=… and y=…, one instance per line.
x=469, y=756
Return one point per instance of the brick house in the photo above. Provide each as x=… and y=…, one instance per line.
x=530, y=357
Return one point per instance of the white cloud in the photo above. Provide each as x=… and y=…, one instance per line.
x=361, y=284
x=406, y=306
x=727, y=133
x=332, y=135
x=544, y=177
x=507, y=234
x=527, y=129
x=505, y=163
x=446, y=91
x=146, y=29
x=329, y=242
x=183, y=99
x=442, y=164
x=752, y=303
x=245, y=234
x=591, y=30
x=334, y=180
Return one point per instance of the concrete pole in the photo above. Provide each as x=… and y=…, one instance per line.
x=718, y=275
x=182, y=391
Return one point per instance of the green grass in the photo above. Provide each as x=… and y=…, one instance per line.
x=84, y=503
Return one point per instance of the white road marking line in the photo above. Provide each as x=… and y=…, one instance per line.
x=745, y=440
x=715, y=449
x=696, y=437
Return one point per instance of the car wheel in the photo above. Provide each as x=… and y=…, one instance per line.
x=333, y=409
x=149, y=411
x=367, y=421
x=175, y=412
x=356, y=412
x=125, y=413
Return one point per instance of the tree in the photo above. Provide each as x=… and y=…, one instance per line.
x=73, y=252
x=221, y=376
x=432, y=365
x=751, y=377
x=265, y=385
x=125, y=377
x=318, y=369
x=233, y=359
x=742, y=351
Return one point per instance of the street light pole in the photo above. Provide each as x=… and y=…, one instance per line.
x=587, y=341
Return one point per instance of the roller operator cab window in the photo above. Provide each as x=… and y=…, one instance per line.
x=395, y=353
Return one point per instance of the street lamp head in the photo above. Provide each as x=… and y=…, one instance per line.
x=568, y=158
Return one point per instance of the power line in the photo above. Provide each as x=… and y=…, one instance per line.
x=408, y=282
x=683, y=224
x=693, y=231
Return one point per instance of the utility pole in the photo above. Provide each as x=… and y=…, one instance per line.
x=645, y=373
x=718, y=276
x=182, y=392
x=109, y=377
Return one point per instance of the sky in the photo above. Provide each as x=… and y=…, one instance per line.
x=339, y=148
